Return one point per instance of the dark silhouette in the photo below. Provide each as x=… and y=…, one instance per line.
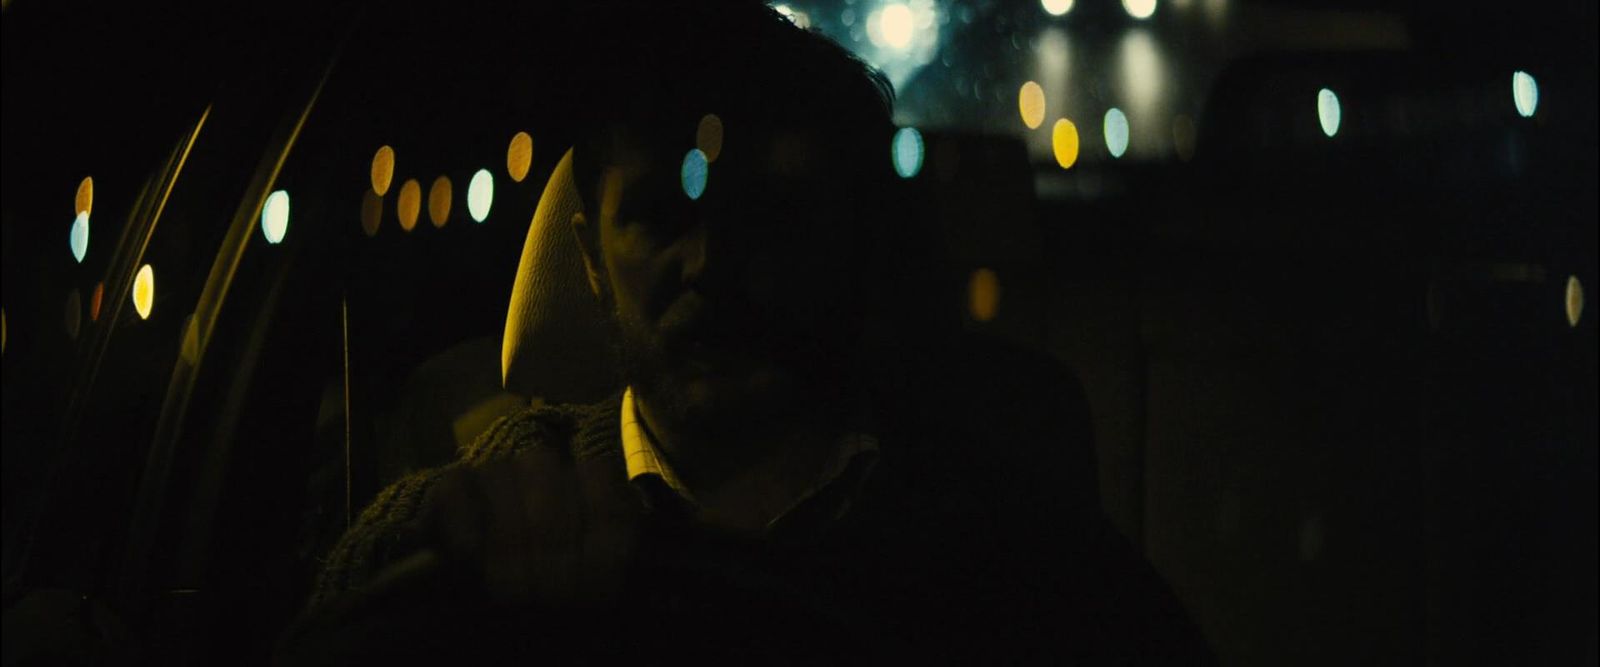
x=803, y=459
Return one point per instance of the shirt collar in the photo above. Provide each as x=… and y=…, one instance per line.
x=639, y=450
x=644, y=461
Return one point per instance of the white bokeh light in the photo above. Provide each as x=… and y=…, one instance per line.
x=1146, y=79
x=480, y=195
x=896, y=26
x=1525, y=92
x=1139, y=9
x=275, y=217
x=902, y=36
x=1328, y=111
x=1056, y=7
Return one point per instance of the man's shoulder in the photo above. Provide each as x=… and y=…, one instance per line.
x=385, y=530
x=581, y=429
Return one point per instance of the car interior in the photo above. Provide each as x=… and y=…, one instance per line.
x=1312, y=272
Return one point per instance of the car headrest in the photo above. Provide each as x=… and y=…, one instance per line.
x=557, y=342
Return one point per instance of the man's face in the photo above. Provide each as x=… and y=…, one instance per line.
x=741, y=302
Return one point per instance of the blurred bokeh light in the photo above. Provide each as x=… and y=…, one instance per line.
x=1139, y=9
x=708, y=137
x=409, y=205
x=907, y=151
x=1030, y=102
x=1116, y=131
x=84, y=201
x=1574, y=301
x=895, y=26
x=275, y=217
x=371, y=212
x=1525, y=92
x=96, y=298
x=1064, y=143
x=519, y=156
x=382, y=170
x=693, y=173
x=439, y=201
x=78, y=238
x=480, y=195
x=1056, y=7
x=1328, y=111
x=983, y=295
x=144, y=291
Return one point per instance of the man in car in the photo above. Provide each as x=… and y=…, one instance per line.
x=805, y=461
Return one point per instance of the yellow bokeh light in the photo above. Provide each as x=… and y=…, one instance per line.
x=410, y=204
x=144, y=291
x=1030, y=101
x=519, y=156
x=439, y=201
x=708, y=137
x=983, y=295
x=1064, y=142
x=371, y=212
x=382, y=170
x=84, y=202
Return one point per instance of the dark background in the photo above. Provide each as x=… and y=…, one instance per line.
x=1338, y=401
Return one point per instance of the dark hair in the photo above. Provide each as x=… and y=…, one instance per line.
x=652, y=70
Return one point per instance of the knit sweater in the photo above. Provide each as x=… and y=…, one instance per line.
x=971, y=541
x=387, y=529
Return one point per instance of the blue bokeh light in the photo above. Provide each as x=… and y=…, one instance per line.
x=79, y=238
x=907, y=151
x=696, y=168
x=1116, y=129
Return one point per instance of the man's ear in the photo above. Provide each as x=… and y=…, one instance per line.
x=588, y=240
